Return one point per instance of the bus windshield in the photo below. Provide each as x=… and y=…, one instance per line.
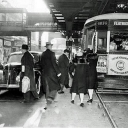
x=102, y=42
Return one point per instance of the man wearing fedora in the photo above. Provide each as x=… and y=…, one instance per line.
x=50, y=73
x=63, y=63
x=27, y=69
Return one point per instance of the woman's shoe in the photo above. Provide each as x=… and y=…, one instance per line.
x=90, y=101
x=82, y=105
x=72, y=101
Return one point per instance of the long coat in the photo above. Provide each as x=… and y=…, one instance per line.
x=63, y=63
x=92, y=74
x=50, y=70
x=28, y=62
x=80, y=79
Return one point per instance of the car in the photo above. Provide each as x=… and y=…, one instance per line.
x=13, y=68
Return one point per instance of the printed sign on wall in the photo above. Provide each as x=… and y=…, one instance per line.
x=118, y=65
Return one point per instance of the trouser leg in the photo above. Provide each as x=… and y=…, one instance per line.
x=27, y=96
x=52, y=94
x=35, y=94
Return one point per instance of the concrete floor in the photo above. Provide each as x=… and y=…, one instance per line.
x=61, y=114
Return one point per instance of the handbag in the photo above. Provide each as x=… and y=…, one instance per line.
x=25, y=84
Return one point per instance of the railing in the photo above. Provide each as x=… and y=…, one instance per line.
x=12, y=23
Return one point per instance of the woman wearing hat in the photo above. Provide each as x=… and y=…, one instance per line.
x=27, y=65
x=79, y=85
x=92, y=58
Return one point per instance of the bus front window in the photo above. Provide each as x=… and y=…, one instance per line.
x=102, y=42
x=118, y=42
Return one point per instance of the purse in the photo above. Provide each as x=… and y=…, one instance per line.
x=25, y=84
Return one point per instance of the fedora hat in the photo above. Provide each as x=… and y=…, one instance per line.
x=66, y=51
x=48, y=43
x=25, y=46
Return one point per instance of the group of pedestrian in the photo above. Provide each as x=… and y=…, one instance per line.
x=55, y=76
x=85, y=76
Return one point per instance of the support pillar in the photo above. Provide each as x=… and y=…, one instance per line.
x=69, y=25
x=29, y=42
x=69, y=40
x=39, y=45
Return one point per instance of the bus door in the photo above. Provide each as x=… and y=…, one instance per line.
x=101, y=43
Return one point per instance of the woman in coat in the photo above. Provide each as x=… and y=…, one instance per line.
x=27, y=69
x=80, y=80
x=92, y=58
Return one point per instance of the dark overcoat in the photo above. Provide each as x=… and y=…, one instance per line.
x=80, y=79
x=63, y=63
x=50, y=70
x=28, y=62
x=92, y=74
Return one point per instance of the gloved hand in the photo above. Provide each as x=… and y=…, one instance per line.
x=59, y=77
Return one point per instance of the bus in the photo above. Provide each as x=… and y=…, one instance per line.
x=107, y=35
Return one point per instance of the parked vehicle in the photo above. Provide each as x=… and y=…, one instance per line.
x=13, y=68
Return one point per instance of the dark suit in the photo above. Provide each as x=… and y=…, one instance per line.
x=50, y=70
x=63, y=63
x=28, y=62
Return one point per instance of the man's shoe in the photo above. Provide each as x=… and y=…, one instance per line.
x=24, y=101
x=82, y=105
x=45, y=108
x=61, y=92
x=49, y=101
x=72, y=101
x=90, y=101
x=37, y=98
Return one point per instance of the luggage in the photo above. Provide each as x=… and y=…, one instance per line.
x=25, y=84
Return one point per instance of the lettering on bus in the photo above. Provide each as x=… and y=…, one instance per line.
x=116, y=72
x=102, y=23
x=119, y=57
x=120, y=23
x=118, y=65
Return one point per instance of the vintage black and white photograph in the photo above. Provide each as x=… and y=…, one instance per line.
x=63, y=63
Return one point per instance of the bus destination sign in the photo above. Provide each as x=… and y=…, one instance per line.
x=120, y=23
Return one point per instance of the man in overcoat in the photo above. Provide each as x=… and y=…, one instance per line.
x=27, y=69
x=63, y=63
x=50, y=73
